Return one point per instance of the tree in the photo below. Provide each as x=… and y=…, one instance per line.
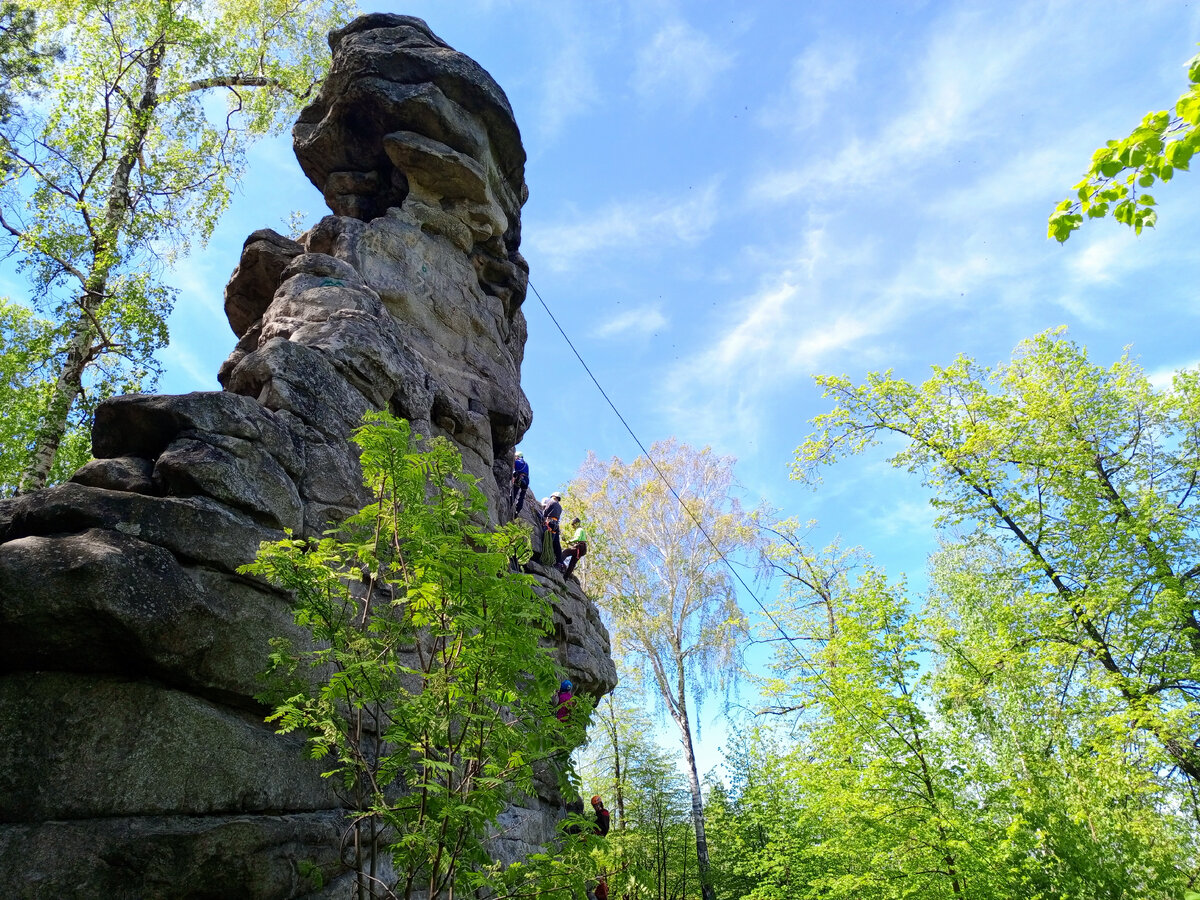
x=425, y=685
x=25, y=386
x=914, y=754
x=21, y=59
x=659, y=567
x=847, y=666
x=624, y=763
x=1161, y=145
x=1087, y=477
x=1068, y=805
x=129, y=160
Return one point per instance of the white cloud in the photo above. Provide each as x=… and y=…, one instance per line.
x=822, y=70
x=900, y=517
x=569, y=88
x=1101, y=259
x=679, y=64
x=197, y=375
x=626, y=224
x=966, y=67
x=794, y=324
x=1162, y=378
x=197, y=285
x=639, y=322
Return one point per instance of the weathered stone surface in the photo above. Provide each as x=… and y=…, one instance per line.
x=284, y=375
x=193, y=529
x=113, y=747
x=232, y=471
x=265, y=254
x=133, y=756
x=391, y=70
x=103, y=601
x=124, y=473
x=142, y=425
x=250, y=857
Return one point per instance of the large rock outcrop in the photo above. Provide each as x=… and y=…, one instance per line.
x=134, y=760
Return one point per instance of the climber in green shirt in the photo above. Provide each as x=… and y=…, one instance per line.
x=577, y=550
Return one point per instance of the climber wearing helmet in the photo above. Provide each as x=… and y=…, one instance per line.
x=602, y=817
x=520, y=483
x=577, y=550
x=564, y=700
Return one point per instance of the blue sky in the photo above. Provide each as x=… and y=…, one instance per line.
x=728, y=198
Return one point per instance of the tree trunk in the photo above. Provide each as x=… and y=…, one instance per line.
x=54, y=421
x=618, y=786
x=685, y=737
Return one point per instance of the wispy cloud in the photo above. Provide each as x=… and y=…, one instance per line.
x=679, y=64
x=628, y=224
x=1102, y=259
x=640, y=322
x=1161, y=378
x=569, y=87
x=967, y=65
x=792, y=325
x=822, y=70
x=198, y=286
x=187, y=370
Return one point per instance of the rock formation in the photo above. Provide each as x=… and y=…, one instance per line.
x=134, y=761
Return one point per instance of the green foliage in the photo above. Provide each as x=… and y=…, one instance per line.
x=128, y=159
x=880, y=798
x=651, y=849
x=1031, y=730
x=1087, y=476
x=26, y=384
x=1121, y=171
x=425, y=688
x=21, y=59
x=920, y=753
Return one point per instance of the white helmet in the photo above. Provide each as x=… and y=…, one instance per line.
x=520, y=455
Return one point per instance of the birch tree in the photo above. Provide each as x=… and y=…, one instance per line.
x=127, y=159
x=655, y=564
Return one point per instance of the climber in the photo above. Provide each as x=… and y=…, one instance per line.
x=550, y=517
x=520, y=483
x=564, y=700
x=577, y=550
x=602, y=818
x=600, y=829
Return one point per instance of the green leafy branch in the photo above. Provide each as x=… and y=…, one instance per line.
x=1162, y=144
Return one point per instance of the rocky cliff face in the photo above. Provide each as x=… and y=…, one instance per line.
x=134, y=761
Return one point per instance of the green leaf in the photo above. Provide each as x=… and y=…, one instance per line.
x=1178, y=153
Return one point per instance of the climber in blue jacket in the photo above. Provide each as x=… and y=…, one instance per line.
x=520, y=483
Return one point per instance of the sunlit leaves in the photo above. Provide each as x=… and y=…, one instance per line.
x=1163, y=143
x=1086, y=474
x=425, y=687
x=124, y=157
